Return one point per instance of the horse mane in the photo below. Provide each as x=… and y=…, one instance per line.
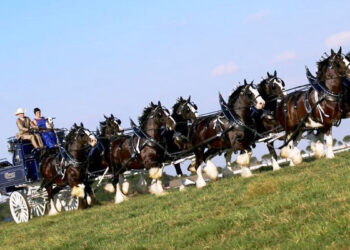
x=146, y=112
x=179, y=101
x=70, y=136
x=321, y=65
x=234, y=95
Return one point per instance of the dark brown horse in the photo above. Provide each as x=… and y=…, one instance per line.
x=70, y=160
x=184, y=113
x=143, y=149
x=228, y=131
x=346, y=101
x=272, y=90
x=317, y=108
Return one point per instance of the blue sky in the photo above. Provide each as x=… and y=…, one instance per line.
x=78, y=60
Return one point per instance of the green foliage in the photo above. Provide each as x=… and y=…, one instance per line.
x=346, y=139
x=303, y=207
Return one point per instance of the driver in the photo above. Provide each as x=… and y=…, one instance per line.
x=26, y=131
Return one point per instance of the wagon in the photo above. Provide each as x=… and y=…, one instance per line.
x=20, y=181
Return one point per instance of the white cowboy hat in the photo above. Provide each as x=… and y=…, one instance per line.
x=20, y=111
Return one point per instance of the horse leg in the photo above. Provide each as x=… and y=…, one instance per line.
x=228, y=171
x=316, y=144
x=210, y=169
x=329, y=142
x=141, y=185
x=125, y=184
x=200, y=182
x=275, y=165
x=156, y=186
x=53, y=210
x=119, y=196
x=180, y=175
x=243, y=161
x=109, y=187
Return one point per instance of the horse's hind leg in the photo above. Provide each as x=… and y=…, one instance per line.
x=275, y=165
x=228, y=171
x=200, y=182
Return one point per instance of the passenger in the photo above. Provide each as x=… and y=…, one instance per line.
x=39, y=122
x=26, y=131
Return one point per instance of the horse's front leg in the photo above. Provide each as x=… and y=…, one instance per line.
x=243, y=160
x=200, y=182
x=119, y=196
x=156, y=187
x=53, y=210
x=329, y=143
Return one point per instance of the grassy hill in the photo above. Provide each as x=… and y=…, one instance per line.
x=298, y=207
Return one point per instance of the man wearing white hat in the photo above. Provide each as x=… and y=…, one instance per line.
x=25, y=130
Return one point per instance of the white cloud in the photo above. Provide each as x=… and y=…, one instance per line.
x=339, y=39
x=224, y=69
x=258, y=16
x=285, y=56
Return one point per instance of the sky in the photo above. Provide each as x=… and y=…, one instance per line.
x=78, y=60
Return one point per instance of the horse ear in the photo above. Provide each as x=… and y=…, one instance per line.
x=75, y=125
x=275, y=73
x=152, y=104
x=181, y=99
x=189, y=99
x=268, y=74
x=251, y=82
x=112, y=116
x=339, y=52
x=104, y=116
x=159, y=104
x=81, y=125
x=245, y=82
x=332, y=52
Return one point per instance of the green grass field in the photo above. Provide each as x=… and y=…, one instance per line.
x=303, y=207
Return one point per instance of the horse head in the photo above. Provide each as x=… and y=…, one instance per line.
x=80, y=136
x=272, y=87
x=185, y=109
x=156, y=116
x=332, y=69
x=246, y=96
x=111, y=126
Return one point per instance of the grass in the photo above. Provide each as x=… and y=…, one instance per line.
x=304, y=207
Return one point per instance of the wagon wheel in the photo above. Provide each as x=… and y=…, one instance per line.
x=64, y=201
x=37, y=203
x=19, y=207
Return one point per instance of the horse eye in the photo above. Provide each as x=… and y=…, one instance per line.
x=195, y=106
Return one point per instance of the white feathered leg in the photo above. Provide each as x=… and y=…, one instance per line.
x=182, y=184
x=119, y=196
x=52, y=210
x=275, y=165
x=211, y=170
x=329, y=142
x=200, y=182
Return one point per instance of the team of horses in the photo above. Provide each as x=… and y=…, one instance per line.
x=253, y=113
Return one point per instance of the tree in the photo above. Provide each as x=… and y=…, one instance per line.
x=346, y=139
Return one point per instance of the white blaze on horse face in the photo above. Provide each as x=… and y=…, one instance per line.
x=120, y=128
x=92, y=137
x=260, y=103
x=347, y=63
x=173, y=122
x=193, y=110
x=279, y=83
